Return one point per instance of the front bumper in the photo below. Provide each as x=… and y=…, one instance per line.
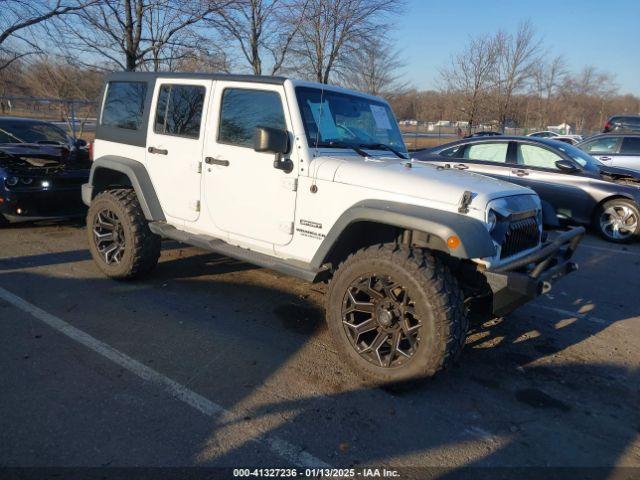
x=517, y=282
x=42, y=204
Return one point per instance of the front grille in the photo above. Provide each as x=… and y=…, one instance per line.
x=521, y=235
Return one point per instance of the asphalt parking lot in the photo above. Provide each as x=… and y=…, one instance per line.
x=213, y=362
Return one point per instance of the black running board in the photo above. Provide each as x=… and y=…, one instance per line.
x=294, y=268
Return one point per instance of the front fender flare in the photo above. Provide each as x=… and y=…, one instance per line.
x=140, y=181
x=475, y=241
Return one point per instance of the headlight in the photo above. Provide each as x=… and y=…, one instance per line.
x=26, y=181
x=11, y=181
x=492, y=220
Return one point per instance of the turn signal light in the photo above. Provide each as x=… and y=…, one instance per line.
x=453, y=242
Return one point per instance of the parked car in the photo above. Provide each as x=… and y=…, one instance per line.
x=41, y=171
x=575, y=187
x=614, y=149
x=570, y=139
x=314, y=181
x=622, y=124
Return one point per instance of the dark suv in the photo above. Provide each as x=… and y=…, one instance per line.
x=622, y=123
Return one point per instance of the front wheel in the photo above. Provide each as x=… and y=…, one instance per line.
x=618, y=221
x=396, y=314
x=119, y=237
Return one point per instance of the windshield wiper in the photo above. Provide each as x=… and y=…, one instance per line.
x=383, y=146
x=335, y=144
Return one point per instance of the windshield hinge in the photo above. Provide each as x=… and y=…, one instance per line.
x=290, y=184
x=465, y=201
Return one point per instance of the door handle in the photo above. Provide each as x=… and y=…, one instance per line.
x=461, y=166
x=215, y=161
x=159, y=151
x=605, y=158
x=520, y=173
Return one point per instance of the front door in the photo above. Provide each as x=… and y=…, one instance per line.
x=629, y=156
x=245, y=194
x=537, y=170
x=603, y=148
x=175, y=140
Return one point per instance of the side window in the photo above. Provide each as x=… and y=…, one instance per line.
x=179, y=110
x=488, y=152
x=631, y=145
x=601, y=145
x=244, y=110
x=453, y=152
x=533, y=156
x=124, y=105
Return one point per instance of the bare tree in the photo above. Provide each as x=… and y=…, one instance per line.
x=547, y=78
x=584, y=96
x=517, y=57
x=469, y=77
x=330, y=31
x=18, y=19
x=260, y=29
x=135, y=34
x=375, y=67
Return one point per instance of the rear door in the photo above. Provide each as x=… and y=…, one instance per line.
x=629, y=156
x=175, y=142
x=537, y=170
x=487, y=158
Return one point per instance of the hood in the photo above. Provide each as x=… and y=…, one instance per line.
x=36, y=158
x=420, y=180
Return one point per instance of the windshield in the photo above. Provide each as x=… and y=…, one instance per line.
x=342, y=120
x=20, y=131
x=585, y=160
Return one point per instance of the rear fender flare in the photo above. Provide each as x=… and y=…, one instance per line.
x=138, y=177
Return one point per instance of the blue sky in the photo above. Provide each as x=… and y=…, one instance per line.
x=602, y=33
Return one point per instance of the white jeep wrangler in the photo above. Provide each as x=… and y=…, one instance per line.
x=315, y=181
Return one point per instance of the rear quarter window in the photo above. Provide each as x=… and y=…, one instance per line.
x=124, y=105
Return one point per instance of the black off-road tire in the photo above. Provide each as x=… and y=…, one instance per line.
x=438, y=301
x=141, y=247
x=620, y=205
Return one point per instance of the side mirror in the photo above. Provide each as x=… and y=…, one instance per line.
x=566, y=166
x=80, y=143
x=271, y=140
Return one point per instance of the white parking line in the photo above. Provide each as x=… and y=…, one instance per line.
x=278, y=446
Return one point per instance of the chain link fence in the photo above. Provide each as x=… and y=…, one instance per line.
x=77, y=117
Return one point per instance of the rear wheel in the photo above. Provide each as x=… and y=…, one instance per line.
x=618, y=220
x=119, y=237
x=3, y=221
x=396, y=314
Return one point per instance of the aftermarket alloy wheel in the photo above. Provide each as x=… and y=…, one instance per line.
x=618, y=221
x=396, y=314
x=119, y=237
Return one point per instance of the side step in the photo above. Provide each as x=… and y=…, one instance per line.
x=294, y=268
